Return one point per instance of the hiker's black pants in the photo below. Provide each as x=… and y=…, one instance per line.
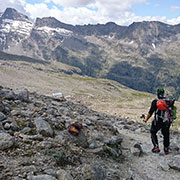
x=164, y=127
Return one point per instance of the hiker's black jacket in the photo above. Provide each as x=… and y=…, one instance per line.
x=153, y=108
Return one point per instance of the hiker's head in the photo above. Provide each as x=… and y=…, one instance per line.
x=160, y=93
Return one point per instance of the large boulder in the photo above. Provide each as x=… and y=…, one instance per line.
x=7, y=94
x=6, y=141
x=43, y=127
x=22, y=95
x=175, y=162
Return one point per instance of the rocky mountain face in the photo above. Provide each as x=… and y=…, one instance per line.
x=35, y=142
x=142, y=56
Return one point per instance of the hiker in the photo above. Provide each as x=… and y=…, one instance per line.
x=160, y=121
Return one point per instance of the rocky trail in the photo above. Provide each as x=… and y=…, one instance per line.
x=35, y=143
x=148, y=165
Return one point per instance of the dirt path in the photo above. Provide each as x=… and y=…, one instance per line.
x=149, y=166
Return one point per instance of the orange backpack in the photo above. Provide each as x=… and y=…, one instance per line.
x=166, y=108
x=162, y=105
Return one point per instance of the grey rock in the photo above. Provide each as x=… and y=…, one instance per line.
x=94, y=172
x=26, y=130
x=6, y=141
x=80, y=140
x=113, y=140
x=63, y=175
x=51, y=111
x=2, y=116
x=59, y=139
x=98, y=151
x=136, y=150
x=174, y=163
x=16, y=112
x=27, y=169
x=7, y=94
x=7, y=126
x=41, y=177
x=2, y=107
x=146, y=148
x=46, y=144
x=92, y=119
x=164, y=165
x=1, y=128
x=6, y=110
x=51, y=172
x=93, y=145
x=43, y=127
x=14, y=126
x=135, y=175
x=27, y=138
x=175, y=145
x=22, y=95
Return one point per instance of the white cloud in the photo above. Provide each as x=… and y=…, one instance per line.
x=174, y=21
x=68, y=15
x=73, y=3
x=47, y=1
x=17, y=4
x=37, y=10
x=86, y=11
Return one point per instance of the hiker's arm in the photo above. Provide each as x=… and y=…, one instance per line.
x=147, y=117
x=152, y=109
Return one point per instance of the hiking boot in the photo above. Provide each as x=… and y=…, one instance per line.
x=166, y=150
x=155, y=150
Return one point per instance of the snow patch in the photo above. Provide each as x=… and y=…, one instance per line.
x=153, y=45
x=51, y=31
x=2, y=39
x=21, y=27
x=131, y=42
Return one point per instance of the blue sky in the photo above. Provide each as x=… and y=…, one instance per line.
x=122, y=12
x=168, y=8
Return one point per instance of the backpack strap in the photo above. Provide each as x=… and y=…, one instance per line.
x=163, y=112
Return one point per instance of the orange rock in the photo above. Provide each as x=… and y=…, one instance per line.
x=16, y=133
x=73, y=131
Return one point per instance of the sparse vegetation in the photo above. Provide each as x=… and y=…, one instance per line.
x=98, y=94
x=59, y=156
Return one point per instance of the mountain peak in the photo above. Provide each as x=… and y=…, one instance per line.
x=53, y=23
x=13, y=14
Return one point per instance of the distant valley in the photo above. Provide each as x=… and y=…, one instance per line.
x=142, y=56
